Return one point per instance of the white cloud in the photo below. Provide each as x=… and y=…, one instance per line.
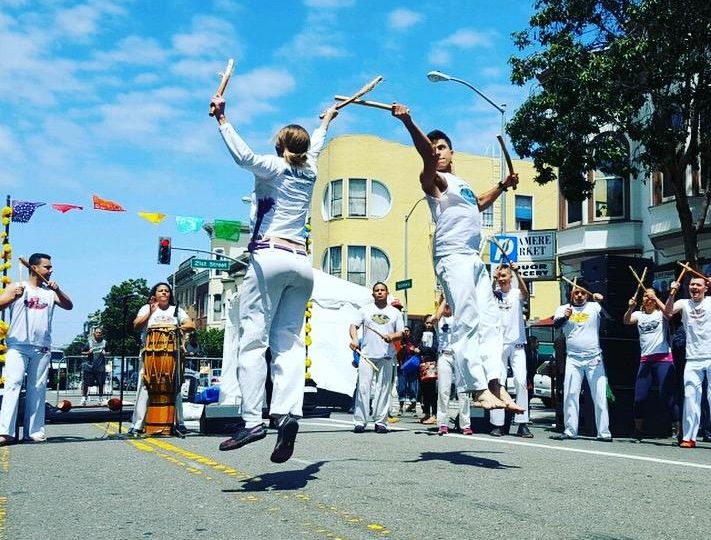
x=254, y=90
x=402, y=19
x=134, y=50
x=439, y=57
x=208, y=35
x=329, y=3
x=83, y=20
x=467, y=39
x=320, y=38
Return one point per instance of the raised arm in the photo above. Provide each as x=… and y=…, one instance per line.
x=60, y=297
x=523, y=290
x=318, y=137
x=629, y=318
x=488, y=198
x=432, y=183
x=672, y=307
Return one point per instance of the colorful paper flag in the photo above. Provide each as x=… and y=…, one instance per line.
x=227, y=230
x=22, y=210
x=188, y=224
x=64, y=208
x=153, y=217
x=105, y=204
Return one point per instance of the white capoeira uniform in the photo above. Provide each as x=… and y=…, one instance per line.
x=583, y=359
x=445, y=371
x=387, y=320
x=696, y=318
x=476, y=341
x=160, y=317
x=514, y=353
x=279, y=280
x=29, y=342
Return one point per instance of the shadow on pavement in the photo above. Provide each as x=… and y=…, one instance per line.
x=462, y=458
x=280, y=481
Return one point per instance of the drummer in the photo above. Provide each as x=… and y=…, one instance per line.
x=159, y=311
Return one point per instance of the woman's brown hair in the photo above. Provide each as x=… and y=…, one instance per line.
x=292, y=143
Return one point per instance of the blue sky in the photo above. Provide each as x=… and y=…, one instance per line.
x=110, y=97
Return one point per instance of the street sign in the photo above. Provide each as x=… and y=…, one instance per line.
x=212, y=264
x=537, y=271
x=404, y=284
x=523, y=246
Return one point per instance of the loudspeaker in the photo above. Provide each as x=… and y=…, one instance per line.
x=616, y=268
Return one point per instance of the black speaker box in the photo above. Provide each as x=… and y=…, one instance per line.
x=616, y=268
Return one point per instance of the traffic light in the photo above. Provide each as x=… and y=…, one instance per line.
x=164, y=250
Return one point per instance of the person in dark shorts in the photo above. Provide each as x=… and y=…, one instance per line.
x=94, y=367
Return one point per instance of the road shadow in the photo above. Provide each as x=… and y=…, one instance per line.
x=280, y=481
x=468, y=459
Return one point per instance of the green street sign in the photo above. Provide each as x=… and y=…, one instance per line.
x=211, y=264
x=404, y=284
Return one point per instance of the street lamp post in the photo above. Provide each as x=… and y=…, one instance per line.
x=407, y=219
x=438, y=76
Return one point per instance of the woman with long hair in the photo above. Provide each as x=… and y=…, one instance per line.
x=279, y=280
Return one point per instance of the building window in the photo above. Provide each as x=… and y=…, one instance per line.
x=609, y=197
x=574, y=212
x=524, y=212
x=331, y=263
x=379, y=199
x=356, y=265
x=332, y=206
x=487, y=217
x=357, y=199
x=379, y=265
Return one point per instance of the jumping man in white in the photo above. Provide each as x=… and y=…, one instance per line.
x=279, y=280
x=29, y=341
x=381, y=324
x=696, y=318
x=580, y=321
x=455, y=210
x=510, y=302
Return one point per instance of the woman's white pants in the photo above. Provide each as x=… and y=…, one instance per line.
x=273, y=299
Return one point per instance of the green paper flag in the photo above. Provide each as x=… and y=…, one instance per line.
x=227, y=230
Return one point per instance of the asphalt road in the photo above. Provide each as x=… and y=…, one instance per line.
x=89, y=482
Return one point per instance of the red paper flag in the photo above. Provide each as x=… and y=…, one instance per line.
x=105, y=204
x=64, y=208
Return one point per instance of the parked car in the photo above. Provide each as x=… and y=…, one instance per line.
x=542, y=383
x=215, y=376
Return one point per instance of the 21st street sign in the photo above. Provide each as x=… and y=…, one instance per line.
x=210, y=264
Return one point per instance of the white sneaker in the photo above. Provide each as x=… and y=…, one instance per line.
x=83, y=401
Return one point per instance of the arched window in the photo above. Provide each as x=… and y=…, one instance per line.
x=379, y=199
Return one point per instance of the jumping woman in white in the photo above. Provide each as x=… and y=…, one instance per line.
x=279, y=280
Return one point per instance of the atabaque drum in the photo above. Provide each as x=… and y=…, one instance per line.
x=159, y=379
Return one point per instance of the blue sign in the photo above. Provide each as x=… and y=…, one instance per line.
x=510, y=246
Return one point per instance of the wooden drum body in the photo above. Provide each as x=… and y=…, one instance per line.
x=159, y=379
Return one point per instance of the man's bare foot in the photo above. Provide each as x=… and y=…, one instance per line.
x=486, y=400
x=509, y=403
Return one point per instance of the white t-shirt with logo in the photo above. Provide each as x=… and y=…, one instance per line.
x=696, y=317
x=581, y=330
x=161, y=317
x=457, y=218
x=384, y=321
x=652, y=332
x=511, y=317
x=444, y=334
x=31, y=317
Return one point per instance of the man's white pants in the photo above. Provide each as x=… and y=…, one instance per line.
x=274, y=293
x=445, y=370
x=381, y=393
x=476, y=341
x=594, y=370
x=516, y=358
x=141, y=406
x=34, y=361
x=693, y=379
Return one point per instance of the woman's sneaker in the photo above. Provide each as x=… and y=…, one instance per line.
x=243, y=437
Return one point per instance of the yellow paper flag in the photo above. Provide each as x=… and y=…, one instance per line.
x=153, y=217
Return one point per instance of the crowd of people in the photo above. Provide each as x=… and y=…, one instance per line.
x=464, y=349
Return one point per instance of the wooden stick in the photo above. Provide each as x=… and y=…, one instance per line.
x=225, y=78
x=503, y=253
x=576, y=286
x=375, y=332
x=507, y=156
x=364, y=90
x=27, y=265
x=640, y=281
x=688, y=268
x=374, y=104
x=368, y=360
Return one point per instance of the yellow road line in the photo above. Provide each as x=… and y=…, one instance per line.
x=3, y=517
x=168, y=448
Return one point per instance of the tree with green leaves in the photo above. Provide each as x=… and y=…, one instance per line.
x=125, y=298
x=211, y=340
x=625, y=87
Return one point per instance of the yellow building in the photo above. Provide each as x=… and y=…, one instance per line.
x=368, y=186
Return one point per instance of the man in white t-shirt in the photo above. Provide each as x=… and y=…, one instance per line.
x=455, y=209
x=381, y=324
x=580, y=321
x=696, y=318
x=510, y=302
x=29, y=341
